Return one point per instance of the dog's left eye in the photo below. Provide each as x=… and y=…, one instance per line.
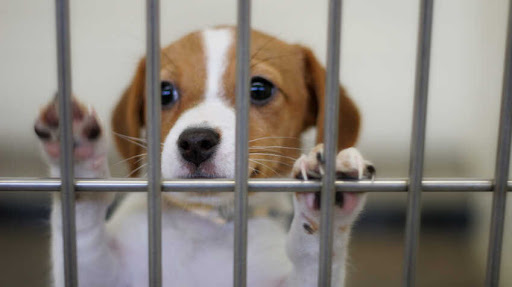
x=262, y=91
x=169, y=94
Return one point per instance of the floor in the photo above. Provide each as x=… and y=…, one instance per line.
x=443, y=261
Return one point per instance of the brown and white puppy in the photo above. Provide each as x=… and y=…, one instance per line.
x=198, y=123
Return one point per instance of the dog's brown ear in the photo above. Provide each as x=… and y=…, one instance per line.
x=128, y=118
x=349, y=120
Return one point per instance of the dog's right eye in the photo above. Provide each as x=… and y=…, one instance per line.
x=262, y=91
x=169, y=94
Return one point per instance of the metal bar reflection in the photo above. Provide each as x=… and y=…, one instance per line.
x=502, y=168
x=417, y=143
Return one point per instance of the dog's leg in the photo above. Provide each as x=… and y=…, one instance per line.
x=304, y=235
x=97, y=262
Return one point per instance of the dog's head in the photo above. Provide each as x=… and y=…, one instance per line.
x=198, y=97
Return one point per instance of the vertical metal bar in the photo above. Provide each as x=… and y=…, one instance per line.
x=153, y=108
x=242, y=135
x=417, y=142
x=502, y=168
x=330, y=142
x=67, y=194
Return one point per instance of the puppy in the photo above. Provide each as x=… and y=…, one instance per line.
x=198, y=125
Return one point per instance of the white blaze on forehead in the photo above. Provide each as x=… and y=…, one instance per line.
x=216, y=43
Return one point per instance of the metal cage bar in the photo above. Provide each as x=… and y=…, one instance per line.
x=153, y=110
x=331, y=108
x=502, y=168
x=243, y=45
x=67, y=194
x=417, y=143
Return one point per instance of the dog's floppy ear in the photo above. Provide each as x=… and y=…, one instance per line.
x=128, y=117
x=349, y=120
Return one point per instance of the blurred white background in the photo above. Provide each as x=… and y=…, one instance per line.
x=378, y=59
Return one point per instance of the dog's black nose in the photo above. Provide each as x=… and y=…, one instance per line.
x=196, y=145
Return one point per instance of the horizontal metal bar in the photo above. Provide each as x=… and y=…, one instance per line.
x=255, y=185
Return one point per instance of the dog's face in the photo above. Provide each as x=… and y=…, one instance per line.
x=198, y=97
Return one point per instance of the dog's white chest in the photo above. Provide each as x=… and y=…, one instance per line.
x=198, y=252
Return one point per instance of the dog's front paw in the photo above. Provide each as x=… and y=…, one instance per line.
x=350, y=165
x=89, y=144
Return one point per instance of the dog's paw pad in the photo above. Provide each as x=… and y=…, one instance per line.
x=312, y=200
x=87, y=132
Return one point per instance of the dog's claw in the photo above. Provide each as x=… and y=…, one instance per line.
x=350, y=165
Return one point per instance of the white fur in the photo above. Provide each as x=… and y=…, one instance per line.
x=216, y=45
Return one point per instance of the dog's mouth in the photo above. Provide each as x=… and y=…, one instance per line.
x=205, y=170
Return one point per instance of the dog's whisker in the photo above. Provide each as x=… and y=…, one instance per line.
x=257, y=171
x=275, y=146
x=265, y=150
x=132, y=157
x=142, y=140
x=135, y=170
x=139, y=160
x=273, y=151
x=272, y=160
x=141, y=144
x=275, y=155
x=131, y=140
x=262, y=138
x=260, y=163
